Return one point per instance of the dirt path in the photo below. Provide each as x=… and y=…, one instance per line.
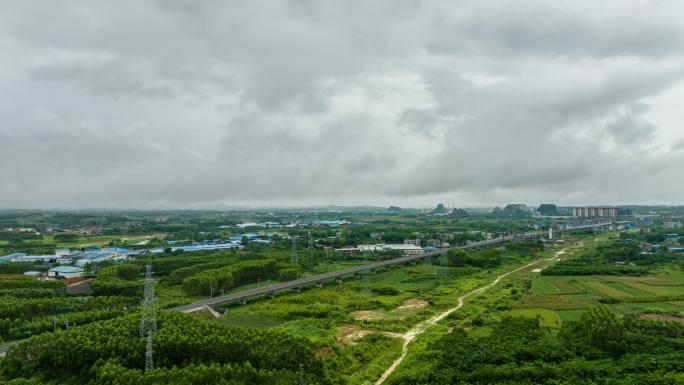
x=410, y=335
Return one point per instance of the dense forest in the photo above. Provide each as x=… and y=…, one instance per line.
x=600, y=348
x=189, y=351
x=620, y=257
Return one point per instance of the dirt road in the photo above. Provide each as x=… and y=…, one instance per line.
x=410, y=335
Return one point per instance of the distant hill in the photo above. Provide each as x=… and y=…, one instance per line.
x=548, y=209
x=516, y=210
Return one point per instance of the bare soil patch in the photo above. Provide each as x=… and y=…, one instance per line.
x=413, y=304
x=368, y=315
x=351, y=334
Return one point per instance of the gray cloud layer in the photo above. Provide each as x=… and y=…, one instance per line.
x=139, y=104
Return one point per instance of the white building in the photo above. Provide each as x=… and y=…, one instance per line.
x=407, y=249
x=415, y=242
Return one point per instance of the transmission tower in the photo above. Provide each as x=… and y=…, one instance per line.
x=443, y=261
x=295, y=258
x=149, y=351
x=311, y=261
x=148, y=319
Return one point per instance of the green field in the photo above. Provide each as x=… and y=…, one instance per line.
x=547, y=318
x=603, y=289
x=574, y=293
x=544, y=285
x=566, y=286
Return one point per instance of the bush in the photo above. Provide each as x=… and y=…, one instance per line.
x=384, y=290
x=609, y=300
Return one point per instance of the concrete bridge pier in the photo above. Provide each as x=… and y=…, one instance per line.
x=338, y=280
x=243, y=301
x=297, y=289
x=271, y=295
x=319, y=284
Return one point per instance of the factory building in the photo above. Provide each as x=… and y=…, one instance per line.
x=594, y=212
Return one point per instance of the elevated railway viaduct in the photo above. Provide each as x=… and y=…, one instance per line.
x=319, y=279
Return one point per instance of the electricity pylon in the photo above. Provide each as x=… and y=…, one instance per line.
x=295, y=258
x=443, y=261
x=148, y=319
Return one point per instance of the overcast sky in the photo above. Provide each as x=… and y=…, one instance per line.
x=136, y=104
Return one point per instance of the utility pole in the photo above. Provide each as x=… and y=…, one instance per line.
x=148, y=319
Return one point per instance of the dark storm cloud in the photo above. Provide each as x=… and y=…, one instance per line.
x=306, y=102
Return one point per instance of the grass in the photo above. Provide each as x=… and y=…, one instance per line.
x=655, y=290
x=553, y=302
x=633, y=292
x=547, y=318
x=569, y=315
x=252, y=321
x=543, y=285
x=566, y=287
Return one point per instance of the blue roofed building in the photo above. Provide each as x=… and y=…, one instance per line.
x=9, y=257
x=87, y=257
x=117, y=250
x=65, y=272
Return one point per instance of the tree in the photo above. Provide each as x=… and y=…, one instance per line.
x=604, y=329
x=457, y=257
x=66, y=238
